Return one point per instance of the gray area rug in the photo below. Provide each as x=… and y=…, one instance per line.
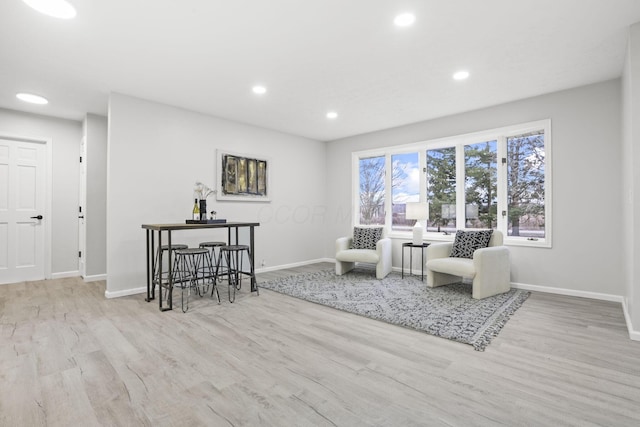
x=447, y=311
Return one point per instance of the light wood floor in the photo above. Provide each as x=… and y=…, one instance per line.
x=70, y=357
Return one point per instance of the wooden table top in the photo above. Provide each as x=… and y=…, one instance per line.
x=180, y=226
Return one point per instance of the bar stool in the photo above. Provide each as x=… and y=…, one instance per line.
x=233, y=256
x=157, y=274
x=190, y=272
x=214, y=258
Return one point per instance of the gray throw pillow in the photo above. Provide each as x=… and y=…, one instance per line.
x=366, y=237
x=466, y=242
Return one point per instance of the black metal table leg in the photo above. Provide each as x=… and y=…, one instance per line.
x=254, y=284
x=170, y=278
x=154, y=266
x=160, y=270
x=149, y=274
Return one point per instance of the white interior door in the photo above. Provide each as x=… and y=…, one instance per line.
x=22, y=204
x=82, y=227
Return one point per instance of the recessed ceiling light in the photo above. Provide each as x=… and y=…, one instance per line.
x=259, y=90
x=57, y=8
x=33, y=99
x=332, y=115
x=461, y=75
x=404, y=19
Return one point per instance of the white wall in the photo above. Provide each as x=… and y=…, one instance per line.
x=587, y=254
x=631, y=176
x=157, y=152
x=95, y=214
x=65, y=138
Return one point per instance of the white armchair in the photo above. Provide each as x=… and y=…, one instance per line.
x=346, y=257
x=490, y=267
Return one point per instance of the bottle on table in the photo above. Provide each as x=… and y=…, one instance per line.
x=196, y=210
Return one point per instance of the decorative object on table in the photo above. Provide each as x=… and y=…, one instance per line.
x=478, y=255
x=419, y=212
x=448, y=312
x=206, y=221
x=213, y=215
x=203, y=208
x=243, y=177
x=202, y=191
x=196, y=210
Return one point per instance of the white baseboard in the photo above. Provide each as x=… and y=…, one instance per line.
x=634, y=335
x=124, y=293
x=569, y=292
x=95, y=277
x=65, y=274
x=295, y=264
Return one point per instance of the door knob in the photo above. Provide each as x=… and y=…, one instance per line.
x=37, y=217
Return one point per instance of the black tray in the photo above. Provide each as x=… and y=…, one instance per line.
x=206, y=221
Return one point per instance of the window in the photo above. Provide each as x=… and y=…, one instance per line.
x=481, y=184
x=496, y=179
x=405, y=187
x=441, y=193
x=372, y=190
x=526, y=185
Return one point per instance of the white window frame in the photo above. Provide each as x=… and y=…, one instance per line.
x=459, y=141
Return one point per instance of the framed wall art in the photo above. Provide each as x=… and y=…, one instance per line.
x=242, y=177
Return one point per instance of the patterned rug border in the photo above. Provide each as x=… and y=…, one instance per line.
x=480, y=339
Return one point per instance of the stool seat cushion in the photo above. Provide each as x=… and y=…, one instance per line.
x=174, y=246
x=212, y=244
x=235, y=248
x=191, y=251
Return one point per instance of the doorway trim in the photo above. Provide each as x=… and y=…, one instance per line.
x=49, y=191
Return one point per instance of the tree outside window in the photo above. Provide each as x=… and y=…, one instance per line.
x=499, y=175
x=481, y=185
x=372, y=190
x=526, y=185
x=441, y=189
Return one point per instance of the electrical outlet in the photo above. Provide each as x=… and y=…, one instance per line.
x=263, y=263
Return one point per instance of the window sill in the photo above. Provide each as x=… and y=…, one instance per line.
x=439, y=237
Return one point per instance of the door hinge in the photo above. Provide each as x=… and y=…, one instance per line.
x=504, y=160
x=80, y=209
x=80, y=159
x=504, y=213
x=79, y=254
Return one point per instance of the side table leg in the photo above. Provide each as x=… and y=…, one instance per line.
x=171, y=274
x=149, y=274
x=410, y=261
x=422, y=263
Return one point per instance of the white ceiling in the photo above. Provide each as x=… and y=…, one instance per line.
x=312, y=55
